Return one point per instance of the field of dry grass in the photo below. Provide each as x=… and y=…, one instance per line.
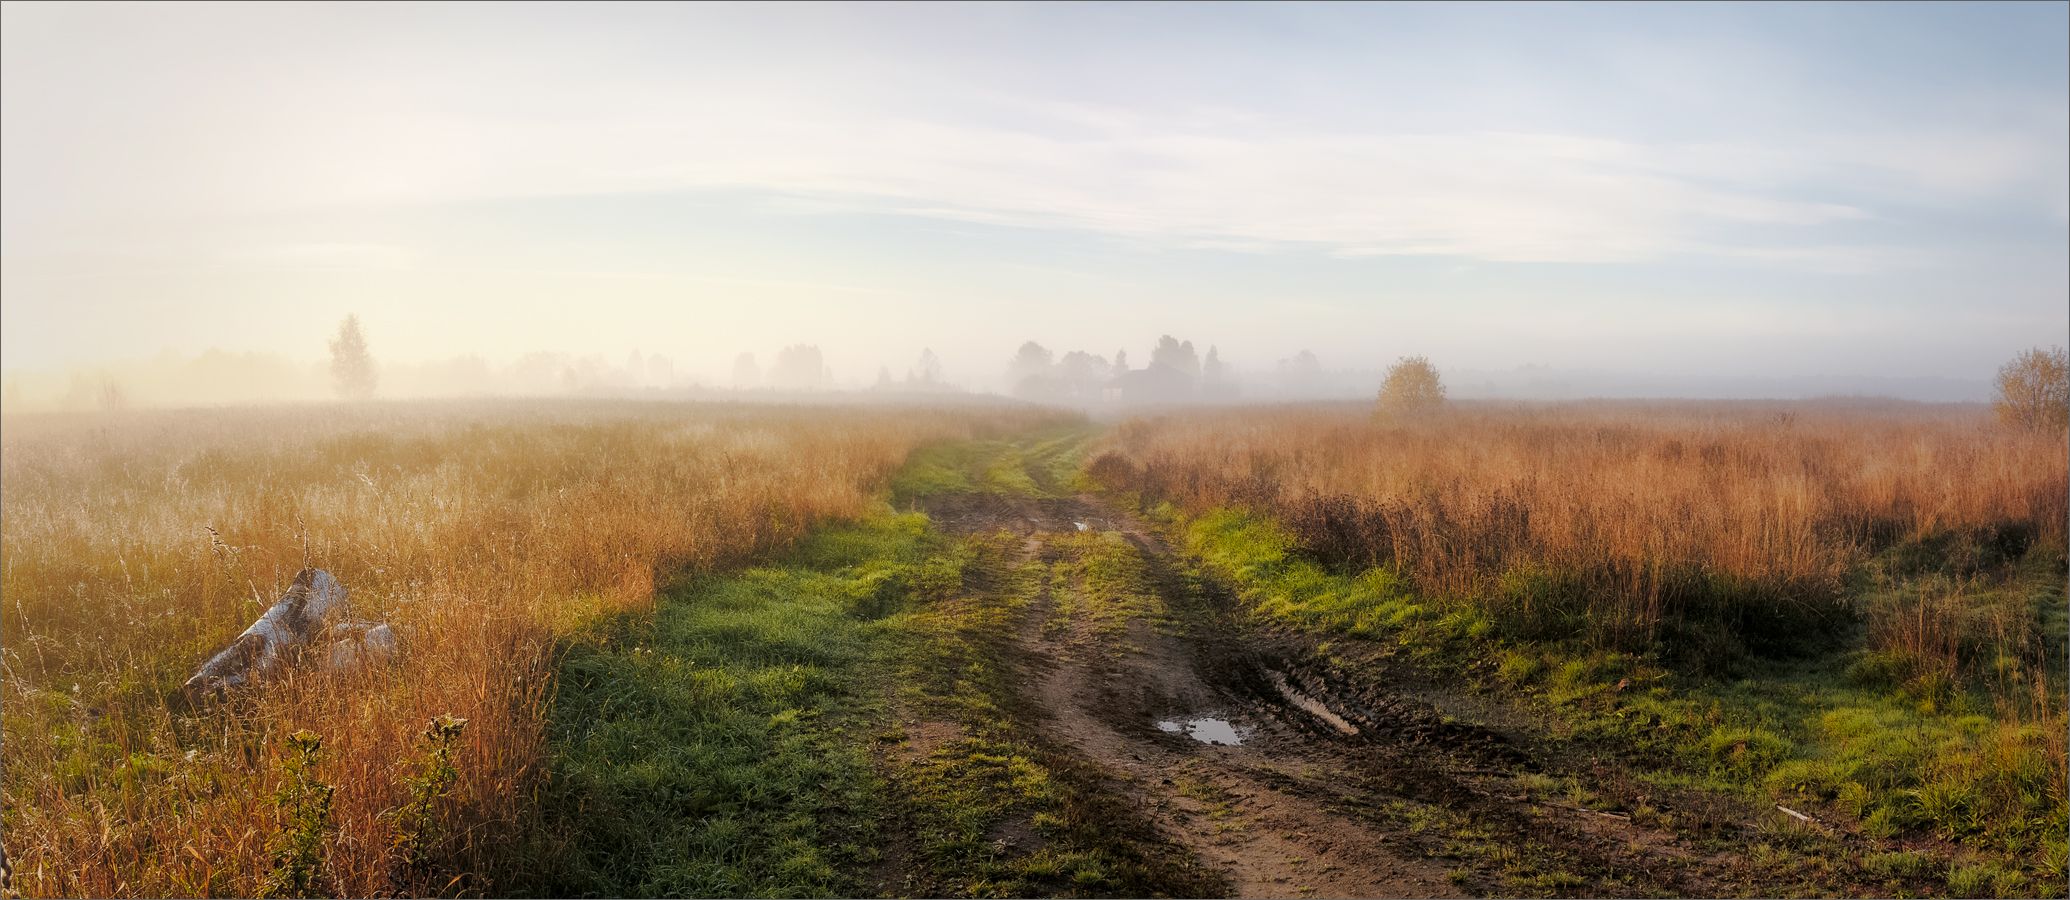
x=1701, y=529
x=135, y=545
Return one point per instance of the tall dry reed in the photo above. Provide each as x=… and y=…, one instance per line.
x=1707, y=529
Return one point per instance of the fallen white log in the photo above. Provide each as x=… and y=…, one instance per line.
x=264, y=648
x=1794, y=814
x=354, y=644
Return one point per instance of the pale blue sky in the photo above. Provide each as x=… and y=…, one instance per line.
x=1684, y=189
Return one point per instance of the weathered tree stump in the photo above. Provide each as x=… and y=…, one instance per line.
x=267, y=646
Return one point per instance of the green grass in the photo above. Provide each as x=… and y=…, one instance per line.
x=970, y=466
x=1044, y=463
x=1259, y=559
x=721, y=747
x=1055, y=458
x=1001, y=816
x=940, y=469
x=1100, y=583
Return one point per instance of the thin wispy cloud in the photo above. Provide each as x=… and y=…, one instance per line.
x=1502, y=197
x=1845, y=157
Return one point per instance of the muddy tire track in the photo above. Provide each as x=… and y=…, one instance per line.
x=1335, y=778
x=1219, y=801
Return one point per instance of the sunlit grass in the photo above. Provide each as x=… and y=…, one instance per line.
x=721, y=747
x=1704, y=532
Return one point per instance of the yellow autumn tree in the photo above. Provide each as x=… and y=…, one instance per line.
x=1412, y=387
x=2034, y=390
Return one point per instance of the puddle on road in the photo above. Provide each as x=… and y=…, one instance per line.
x=1205, y=729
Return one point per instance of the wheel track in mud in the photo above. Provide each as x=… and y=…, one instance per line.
x=1312, y=802
x=1266, y=840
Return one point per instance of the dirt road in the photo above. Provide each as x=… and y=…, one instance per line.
x=1255, y=750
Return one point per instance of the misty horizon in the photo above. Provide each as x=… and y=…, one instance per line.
x=217, y=377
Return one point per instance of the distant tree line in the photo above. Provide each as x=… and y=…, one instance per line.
x=1176, y=374
x=2033, y=389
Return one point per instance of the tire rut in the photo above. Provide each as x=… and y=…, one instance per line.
x=1335, y=780
x=1268, y=841
x=1249, y=810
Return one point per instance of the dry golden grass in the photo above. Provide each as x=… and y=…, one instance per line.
x=1628, y=523
x=135, y=545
